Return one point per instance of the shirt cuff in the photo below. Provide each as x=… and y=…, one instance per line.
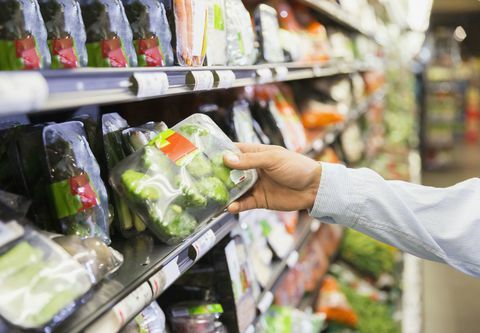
x=339, y=196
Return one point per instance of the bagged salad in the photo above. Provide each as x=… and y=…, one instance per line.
x=240, y=35
x=23, y=37
x=268, y=32
x=151, y=32
x=66, y=33
x=217, y=34
x=178, y=180
x=109, y=36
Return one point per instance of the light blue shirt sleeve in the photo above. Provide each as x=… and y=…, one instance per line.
x=439, y=224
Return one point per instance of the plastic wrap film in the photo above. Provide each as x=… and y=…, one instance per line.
x=40, y=283
x=152, y=36
x=216, y=33
x=66, y=33
x=240, y=35
x=178, y=181
x=77, y=194
x=191, y=31
x=268, y=32
x=23, y=37
x=109, y=36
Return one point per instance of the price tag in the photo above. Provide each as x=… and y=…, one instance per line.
x=133, y=304
x=264, y=75
x=265, y=302
x=224, y=79
x=150, y=84
x=200, y=80
x=292, y=259
x=21, y=92
x=202, y=245
x=315, y=226
x=165, y=277
x=281, y=73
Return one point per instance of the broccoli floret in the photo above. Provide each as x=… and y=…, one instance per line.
x=190, y=196
x=138, y=186
x=176, y=222
x=221, y=171
x=214, y=189
x=191, y=129
x=199, y=166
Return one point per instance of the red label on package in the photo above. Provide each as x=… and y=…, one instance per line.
x=64, y=49
x=112, y=49
x=27, y=51
x=149, y=48
x=174, y=145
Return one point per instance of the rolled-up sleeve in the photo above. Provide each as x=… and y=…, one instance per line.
x=439, y=224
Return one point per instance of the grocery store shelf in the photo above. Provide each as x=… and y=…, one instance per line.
x=318, y=144
x=63, y=89
x=148, y=269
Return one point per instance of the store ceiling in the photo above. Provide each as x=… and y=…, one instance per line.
x=455, y=6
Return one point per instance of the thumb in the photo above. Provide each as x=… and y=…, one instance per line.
x=244, y=161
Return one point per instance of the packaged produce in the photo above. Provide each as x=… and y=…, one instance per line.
x=333, y=303
x=151, y=32
x=191, y=31
x=134, y=138
x=77, y=194
x=240, y=35
x=329, y=155
x=217, y=33
x=284, y=319
x=40, y=283
x=291, y=287
x=193, y=317
x=178, y=181
x=266, y=23
x=91, y=126
x=8, y=169
x=289, y=220
x=317, y=114
x=243, y=123
x=353, y=146
x=66, y=33
x=291, y=34
x=23, y=37
x=98, y=259
x=109, y=36
x=150, y=320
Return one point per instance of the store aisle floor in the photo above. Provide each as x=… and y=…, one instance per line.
x=452, y=299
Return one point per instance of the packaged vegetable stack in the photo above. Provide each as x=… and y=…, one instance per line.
x=66, y=33
x=109, y=36
x=23, y=37
x=240, y=34
x=178, y=180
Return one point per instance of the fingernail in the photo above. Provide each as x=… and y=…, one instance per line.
x=232, y=158
x=233, y=207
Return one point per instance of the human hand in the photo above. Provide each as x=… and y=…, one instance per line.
x=287, y=181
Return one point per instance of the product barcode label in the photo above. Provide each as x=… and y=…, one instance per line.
x=292, y=259
x=165, y=277
x=264, y=75
x=203, y=244
x=200, y=80
x=9, y=232
x=135, y=302
x=150, y=84
x=20, y=92
x=224, y=79
x=281, y=72
x=265, y=302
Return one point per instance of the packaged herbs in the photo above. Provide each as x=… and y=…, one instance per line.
x=66, y=33
x=109, y=36
x=23, y=37
x=151, y=32
x=178, y=180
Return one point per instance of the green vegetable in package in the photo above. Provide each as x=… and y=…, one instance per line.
x=178, y=180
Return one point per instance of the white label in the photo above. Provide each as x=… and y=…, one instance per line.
x=133, y=303
x=264, y=75
x=203, y=80
x=281, y=73
x=204, y=243
x=225, y=79
x=165, y=277
x=315, y=226
x=265, y=302
x=9, y=232
x=151, y=84
x=292, y=259
x=237, y=176
x=21, y=92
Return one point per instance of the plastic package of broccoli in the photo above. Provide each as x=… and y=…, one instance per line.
x=178, y=180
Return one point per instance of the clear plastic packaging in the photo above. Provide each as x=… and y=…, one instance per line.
x=109, y=36
x=240, y=35
x=216, y=33
x=40, y=283
x=178, y=181
x=135, y=138
x=23, y=37
x=66, y=33
x=243, y=123
x=98, y=259
x=77, y=194
x=268, y=32
x=151, y=32
x=191, y=31
x=193, y=317
x=150, y=320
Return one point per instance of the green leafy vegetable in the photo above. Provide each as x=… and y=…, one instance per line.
x=214, y=189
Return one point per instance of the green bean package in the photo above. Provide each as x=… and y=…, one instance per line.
x=151, y=32
x=78, y=195
x=109, y=36
x=178, y=180
x=66, y=33
x=23, y=37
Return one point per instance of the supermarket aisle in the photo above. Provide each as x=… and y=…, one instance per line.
x=452, y=299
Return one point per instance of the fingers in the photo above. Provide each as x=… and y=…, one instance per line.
x=254, y=148
x=246, y=203
x=257, y=160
